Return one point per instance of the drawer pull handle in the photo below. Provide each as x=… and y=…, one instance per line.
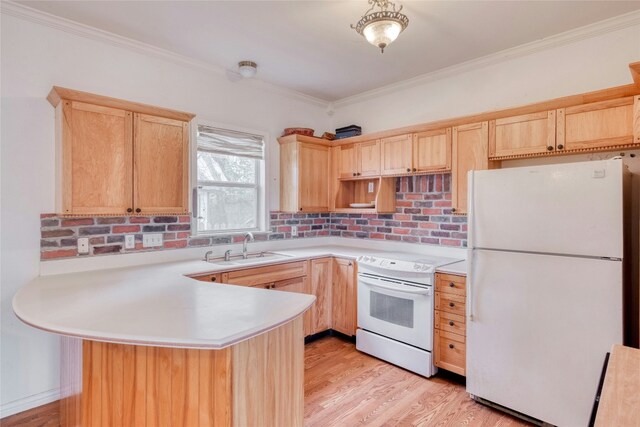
x=452, y=285
x=213, y=279
x=451, y=304
x=451, y=323
x=451, y=346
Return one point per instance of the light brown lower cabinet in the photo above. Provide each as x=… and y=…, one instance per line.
x=331, y=280
x=321, y=285
x=450, y=330
x=343, y=296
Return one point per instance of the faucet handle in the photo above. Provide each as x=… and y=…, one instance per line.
x=207, y=255
x=227, y=254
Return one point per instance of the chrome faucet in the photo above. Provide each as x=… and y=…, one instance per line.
x=248, y=237
x=207, y=256
x=227, y=255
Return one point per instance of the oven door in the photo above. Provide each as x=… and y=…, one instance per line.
x=396, y=310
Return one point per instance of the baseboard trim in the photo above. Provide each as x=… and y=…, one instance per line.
x=29, y=402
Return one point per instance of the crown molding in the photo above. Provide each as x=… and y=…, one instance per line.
x=26, y=13
x=589, y=31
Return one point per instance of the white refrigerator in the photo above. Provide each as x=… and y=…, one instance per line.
x=545, y=293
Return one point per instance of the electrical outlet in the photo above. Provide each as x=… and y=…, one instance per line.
x=294, y=230
x=151, y=240
x=130, y=241
x=370, y=187
x=83, y=245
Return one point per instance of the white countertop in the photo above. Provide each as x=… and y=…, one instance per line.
x=158, y=305
x=455, y=268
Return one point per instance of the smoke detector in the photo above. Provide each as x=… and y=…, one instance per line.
x=247, y=69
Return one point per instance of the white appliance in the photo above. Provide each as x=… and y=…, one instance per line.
x=545, y=286
x=395, y=309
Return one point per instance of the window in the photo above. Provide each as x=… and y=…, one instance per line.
x=230, y=184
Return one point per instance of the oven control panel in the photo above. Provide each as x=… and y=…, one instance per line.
x=395, y=265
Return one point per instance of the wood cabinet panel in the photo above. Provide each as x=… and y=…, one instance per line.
x=347, y=160
x=450, y=322
x=321, y=271
x=97, y=150
x=470, y=152
x=432, y=150
x=526, y=134
x=298, y=285
x=344, y=296
x=396, y=154
x=161, y=165
x=267, y=274
x=313, y=183
x=368, y=158
x=599, y=124
x=211, y=278
x=451, y=284
x=450, y=352
x=450, y=303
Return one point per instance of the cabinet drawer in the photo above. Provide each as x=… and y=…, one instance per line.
x=268, y=274
x=451, y=284
x=451, y=352
x=450, y=303
x=213, y=278
x=450, y=322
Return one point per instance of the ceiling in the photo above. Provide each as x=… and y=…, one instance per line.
x=309, y=47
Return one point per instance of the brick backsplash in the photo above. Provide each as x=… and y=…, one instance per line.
x=423, y=215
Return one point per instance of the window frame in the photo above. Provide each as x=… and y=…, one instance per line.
x=261, y=185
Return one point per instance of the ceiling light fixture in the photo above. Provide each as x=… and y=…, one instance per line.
x=247, y=69
x=382, y=27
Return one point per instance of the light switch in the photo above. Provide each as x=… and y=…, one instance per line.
x=294, y=230
x=370, y=188
x=152, y=240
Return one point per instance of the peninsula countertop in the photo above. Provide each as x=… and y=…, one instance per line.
x=160, y=305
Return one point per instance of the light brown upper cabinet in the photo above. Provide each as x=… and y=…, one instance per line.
x=359, y=160
x=432, y=150
x=160, y=165
x=470, y=152
x=523, y=135
x=599, y=124
x=396, y=155
x=119, y=157
x=97, y=168
x=304, y=175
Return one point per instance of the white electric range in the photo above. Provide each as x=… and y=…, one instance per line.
x=396, y=309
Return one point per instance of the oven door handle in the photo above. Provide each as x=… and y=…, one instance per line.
x=392, y=288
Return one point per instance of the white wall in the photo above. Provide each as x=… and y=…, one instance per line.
x=35, y=57
x=586, y=65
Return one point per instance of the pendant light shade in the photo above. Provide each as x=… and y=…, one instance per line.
x=382, y=27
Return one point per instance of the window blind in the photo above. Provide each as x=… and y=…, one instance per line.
x=223, y=141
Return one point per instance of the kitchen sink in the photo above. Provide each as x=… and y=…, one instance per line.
x=252, y=258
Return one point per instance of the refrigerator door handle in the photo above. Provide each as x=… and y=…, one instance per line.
x=470, y=286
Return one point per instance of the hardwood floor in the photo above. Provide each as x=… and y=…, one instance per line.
x=43, y=416
x=346, y=388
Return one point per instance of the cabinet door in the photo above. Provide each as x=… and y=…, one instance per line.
x=369, y=158
x=344, y=297
x=599, y=124
x=432, y=150
x=347, y=160
x=396, y=153
x=313, y=180
x=527, y=134
x=321, y=279
x=299, y=285
x=97, y=161
x=470, y=144
x=161, y=165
